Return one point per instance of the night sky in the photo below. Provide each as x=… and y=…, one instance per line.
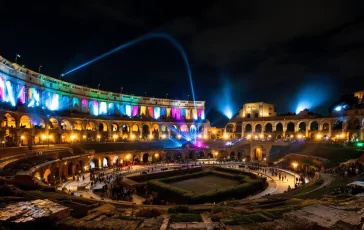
x=281, y=52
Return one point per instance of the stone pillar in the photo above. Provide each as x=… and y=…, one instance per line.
x=321, y=127
x=284, y=131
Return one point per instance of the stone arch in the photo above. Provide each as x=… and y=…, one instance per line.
x=290, y=127
x=268, y=127
x=314, y=126
x=155, y=131
x=145, y=157
x=9, y=121
x=258, y=153
x=25, y=122
x=169, y=156
x=278, y=137
x=38, y=123
x=125, y=128
x=90, y=126
x=179, y=156
x=136, y=130
x=53, y=123
x=248, y=128
x=258, y=128
x=353, y=123
x=114, y=127
x=238, y=128
x=164, y=129
x=25, y=138
x=229, y=128
x=136, y=158
x=191, y=155
x=103, y=127
x=241, y=154
x=201, y=154
x=232, y=156
x=71, y=169
x=145, y=131
x=66, y=125
x=325, y=126
x=77, y=125
x=301, y=126
x=94, y=164
x=279, y=127
x=46, y=175
x=338, y=125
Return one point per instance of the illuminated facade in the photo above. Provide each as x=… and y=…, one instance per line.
x=344, y=125
x=35, y=108
x=360, y=96
x=257, y=109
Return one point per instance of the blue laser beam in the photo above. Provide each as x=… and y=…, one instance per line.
x=166, y=36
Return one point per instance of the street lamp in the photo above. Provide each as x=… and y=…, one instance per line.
x=115, y=136
x=84, y=138
x=216, y=153
x=99, y=137
x=73, y=137
x=179, y=136
x=164, y=136
x=16, y=58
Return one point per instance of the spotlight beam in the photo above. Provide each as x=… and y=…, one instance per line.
x=166, y=36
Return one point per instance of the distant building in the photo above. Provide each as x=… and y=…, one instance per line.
x=257, y=109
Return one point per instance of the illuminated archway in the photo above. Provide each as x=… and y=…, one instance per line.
x=116, y=160
x=66, y=125
x=135, y=130
x=77, y=125
x=125, y=128
x=53, y=123
x=155, y=131
x=193, y=129
x=90, y=126
x=105, y=162
x=92, y=164
x=25, y=138
x=25, y=122
x=46, y=175
x=238, y=128
x=326, y=127
x=103, y=127
x=164, y=129
x=258, y=154
x=114, y=127
x=9, y=121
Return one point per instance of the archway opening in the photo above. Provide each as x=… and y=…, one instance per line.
x=326, y=127
x=65, y=125
x=47, y=176
x=248, y=128
x=279, y=127
x=200, y=154
x=268, y=127
x=258, y=154
x=354, y=124
x=230, y=128
x=232, y=156
x=338, y=125
x=302, y=126
x=90, y=126
x=258, y=128
x=135, y=130
x=77, y=125
x=25, y=122
x=115, y=127
x=145, y=157
x=155, y=131
x=145, y=131
x=105, y=162
x=290, y=127
x=103, y=127
x=9, y=121
x=25, y=138
x=314, y=126
x=116, y=160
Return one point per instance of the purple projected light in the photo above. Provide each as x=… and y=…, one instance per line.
x=135, y=111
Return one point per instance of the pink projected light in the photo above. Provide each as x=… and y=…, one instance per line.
x=178, y=114
x=199, y=113
x=173, y=112
x=151, y=111
x=2, y=88
x=135, y=111
x=22, y=95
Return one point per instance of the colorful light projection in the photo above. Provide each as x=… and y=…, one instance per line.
x=2, y=89
x=9, y=93
x=111, y=108
x=178, y=113
x=143, y=110
x=103, y=108
x=21, y=94
x=94, y=107
x=157, y=112
x=75, y=102
x=128, y=110
x=33, y=97
x=84, y=107
x=54, y=102
x=194, y=114
x=135, y=111
x=151, y=111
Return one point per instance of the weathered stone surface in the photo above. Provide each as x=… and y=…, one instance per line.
x=106, y=208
